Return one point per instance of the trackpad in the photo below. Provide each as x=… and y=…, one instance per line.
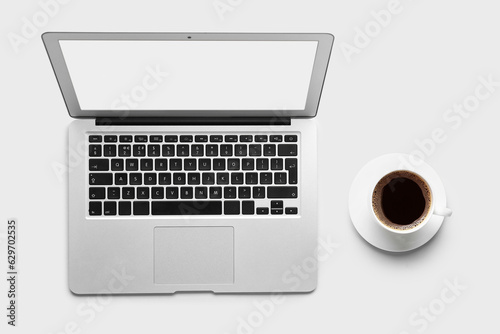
x=193, y=255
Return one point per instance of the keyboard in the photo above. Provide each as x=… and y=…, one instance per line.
x=193, y=174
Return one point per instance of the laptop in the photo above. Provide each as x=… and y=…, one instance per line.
x=198, y=163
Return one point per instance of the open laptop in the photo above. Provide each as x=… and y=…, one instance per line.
x=198, y=167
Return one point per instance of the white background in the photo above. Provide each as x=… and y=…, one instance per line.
x=391, y=95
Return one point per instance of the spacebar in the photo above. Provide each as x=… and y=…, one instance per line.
x=184, y=208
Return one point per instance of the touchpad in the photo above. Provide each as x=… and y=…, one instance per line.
x=193, y=255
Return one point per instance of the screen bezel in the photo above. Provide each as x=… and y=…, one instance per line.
x=52, y=45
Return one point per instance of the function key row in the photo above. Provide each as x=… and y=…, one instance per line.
x=190, y=138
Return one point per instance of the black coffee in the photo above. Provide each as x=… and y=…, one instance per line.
x=401, y=200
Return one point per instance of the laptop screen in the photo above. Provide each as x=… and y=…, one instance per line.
x=190, y=75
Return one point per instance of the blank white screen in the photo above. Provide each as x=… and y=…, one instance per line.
x=190, y=75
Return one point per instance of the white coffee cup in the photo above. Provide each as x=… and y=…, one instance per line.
x=428, y=210
x=366, y=221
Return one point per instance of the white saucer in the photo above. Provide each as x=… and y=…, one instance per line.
x=361, y=211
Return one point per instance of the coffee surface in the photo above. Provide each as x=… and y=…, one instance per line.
x=401, y=200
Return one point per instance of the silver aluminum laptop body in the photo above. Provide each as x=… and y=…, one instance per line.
x=124, y=88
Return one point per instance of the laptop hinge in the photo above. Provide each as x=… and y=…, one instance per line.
x=193, y=121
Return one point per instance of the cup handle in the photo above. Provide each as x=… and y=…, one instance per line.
x=445, y=212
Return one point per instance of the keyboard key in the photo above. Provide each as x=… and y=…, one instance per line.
x=97, y=193
x=109, y=208
x=291, y=167
x=291, y=211
x=219, y=164
x=95, y=139
x=287, y=149
x=110, y=139
x=113, y=193
x=143, y=192
x=208, y=178
x=164, y=179
x=197, y=150
x=222, y=178
x=186, y=208
x=155, y=139
x=279, y=178
x=261, y=138
x=266, y=178
x=231, y=138
x=160, y=164
x=233, y=164
x=204, y=164
x=189, y=164
x=128, y=193
x=171, y=139
x=201, y=139
x=240, y=150
x=175, y=164
x=231, y=207
x=121, y=179
x=262, y=164
x=116, y=164
x=186, y=192
x=125, y=139
x=276, y=138
x=146, y=164
x=186, y=139
x=157, y=193
x=216, y=139
x=95, y=150
x=259, y=192
x=226, y=150
x=150, y=178
x=282, y=192
x=124, y=150
x=212, y=150
x=270, y=150
x=124, y=208
x=215, y=192
x=251, y=178
x=135, y=178
x=132, y=164
x=276, y=164
x=98, y=164
x=262, y=211
x=139, y=150
x=236, y=178
x=276, y=211
x=172, y=192
x=193, y=178
x=95, y=208
x=141, y=208
x=245, y=138
x=201, y=192
x=291, y=138
x=182, y=150
x=247, y=164
x=141, y=139
x=244, y=192
x=179, y=178
x=276, y=204
x=255, y=150
x=100, y=179
x=168, y=150
x=153, y=150
x=229, y=192
x=109, y=150
x=247, y=207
